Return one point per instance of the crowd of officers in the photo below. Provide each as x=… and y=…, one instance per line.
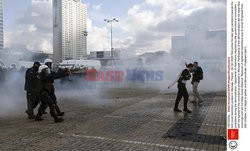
x=39, y=85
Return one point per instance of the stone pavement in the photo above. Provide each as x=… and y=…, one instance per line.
x=131, y=121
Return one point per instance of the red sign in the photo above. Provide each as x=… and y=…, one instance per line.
x=233, y=134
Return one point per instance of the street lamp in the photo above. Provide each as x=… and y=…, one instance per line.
x=110, y=21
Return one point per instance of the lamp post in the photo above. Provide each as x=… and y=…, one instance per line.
x=110, y=21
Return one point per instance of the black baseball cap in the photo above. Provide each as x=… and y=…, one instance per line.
x=36, y=63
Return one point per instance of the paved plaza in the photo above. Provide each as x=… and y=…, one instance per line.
x=126, y=119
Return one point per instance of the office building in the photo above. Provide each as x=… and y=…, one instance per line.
x=69, y=30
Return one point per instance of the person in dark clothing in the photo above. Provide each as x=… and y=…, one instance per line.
x=46, y=88
x=2, y=74
x=31, y=87
x=54, y=76
x=182, y=90
x=197, y=77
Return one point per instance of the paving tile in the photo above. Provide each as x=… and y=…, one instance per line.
x=138, y=121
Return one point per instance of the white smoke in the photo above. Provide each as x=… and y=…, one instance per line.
x=12, y=94
x=148, y=27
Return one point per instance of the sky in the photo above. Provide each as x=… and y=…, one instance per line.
x=144, y=25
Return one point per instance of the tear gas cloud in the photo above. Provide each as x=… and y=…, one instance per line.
x=163, y=19
x=12, y=95
x=208, y=47
x=211, y=58
x=210, y=53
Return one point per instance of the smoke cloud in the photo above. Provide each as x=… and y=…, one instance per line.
x=147, y=27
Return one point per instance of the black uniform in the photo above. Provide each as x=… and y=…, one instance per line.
x=46, y=91
x=182, y=90
x=54, y=76
x=33, y=92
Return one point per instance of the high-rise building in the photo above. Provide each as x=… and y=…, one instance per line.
x=1, y=24
x=69, y=30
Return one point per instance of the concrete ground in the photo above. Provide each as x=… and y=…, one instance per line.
x=132, y=120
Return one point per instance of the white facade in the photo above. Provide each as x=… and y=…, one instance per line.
x=1, y=25
x=69, y=30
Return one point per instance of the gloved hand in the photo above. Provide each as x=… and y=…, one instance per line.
x=67, y=72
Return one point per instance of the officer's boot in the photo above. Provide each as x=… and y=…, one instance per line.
x=53, y=114
x=59, y=113
x=39, y=115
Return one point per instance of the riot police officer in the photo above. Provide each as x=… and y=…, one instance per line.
x=54, y=76
x=46, y=92
x=31, y=87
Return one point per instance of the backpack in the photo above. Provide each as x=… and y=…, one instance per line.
x=200, y=73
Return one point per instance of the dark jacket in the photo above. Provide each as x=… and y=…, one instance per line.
x=185, y=75
x=31, y=80
x=46, y=83
x=197, y=74
x=57, y=75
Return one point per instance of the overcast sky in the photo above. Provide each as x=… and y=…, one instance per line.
x=144, y=25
